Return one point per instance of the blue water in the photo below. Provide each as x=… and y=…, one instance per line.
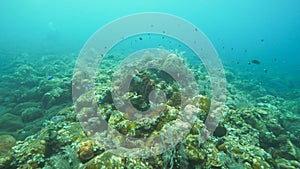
x=240, y=31
x=232, y=24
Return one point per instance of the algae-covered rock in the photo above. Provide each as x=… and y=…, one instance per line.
x=251, y=117
x=291, y=123
x=6, y=160
x=286, y=164
x=289, y=151
x=105, y=160
x=4, y=110
x=56, y=96
x=31, y=114
x=30, y=152
x=19, y=108
x=6, y=143
x=192, y=146
x=10, y=122
x=85, y=150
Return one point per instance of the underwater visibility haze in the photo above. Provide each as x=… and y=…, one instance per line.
x=150, y=84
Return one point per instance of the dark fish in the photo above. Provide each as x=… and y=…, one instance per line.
x=255, y=62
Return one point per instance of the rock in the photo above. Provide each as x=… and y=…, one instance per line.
x=6, y=160
x=18, y=109
x=193, y=152
x=6, y=156
x=275, y=128
x=288, y=151
x=31, y=114
x=295, y=163
x=56, y=96
x=49, y=98
x=292, y=124
x=10, y=122
x=251, y=117
x=4, y=110
x=29, y=153
x=258, y=163
x=6, y=143
x=85, y=150
x=284, y=164
x=107, y=159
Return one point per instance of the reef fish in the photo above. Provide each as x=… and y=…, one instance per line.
x=50, y=78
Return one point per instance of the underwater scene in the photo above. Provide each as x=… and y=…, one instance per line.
x=150, y=84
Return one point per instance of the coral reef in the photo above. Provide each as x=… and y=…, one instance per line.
x=258, y=130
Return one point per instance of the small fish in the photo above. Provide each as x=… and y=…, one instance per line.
x=255, y=62
x=50, y=78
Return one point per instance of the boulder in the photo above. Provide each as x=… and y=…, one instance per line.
x=31, y=114
x=10, y=122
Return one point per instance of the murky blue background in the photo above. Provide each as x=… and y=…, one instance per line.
x=241, y=31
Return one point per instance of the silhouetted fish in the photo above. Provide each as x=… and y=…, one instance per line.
x=255, y=62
